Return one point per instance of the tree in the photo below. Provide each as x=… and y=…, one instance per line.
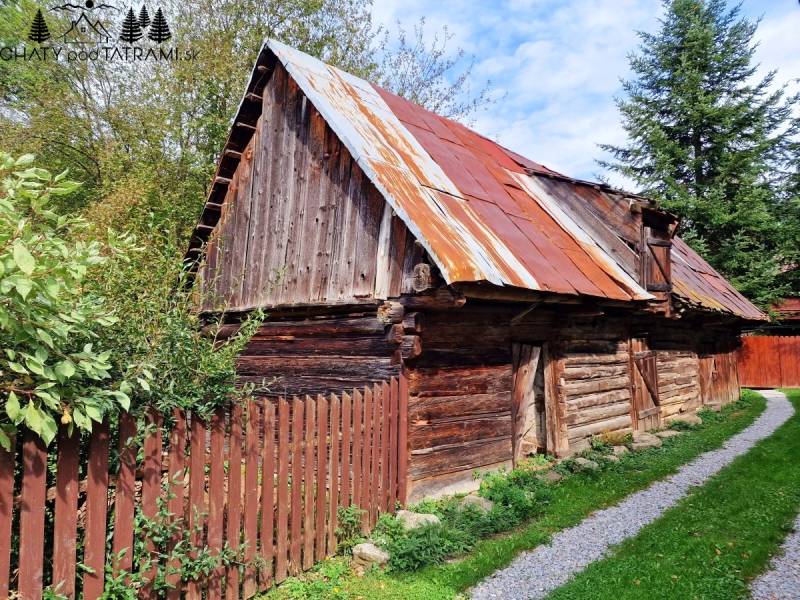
x=159, y=30
x=710, y=140
x=39, y=32
x=131, y=30
x=144, y=17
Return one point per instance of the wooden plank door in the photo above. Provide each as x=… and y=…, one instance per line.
x=527, y=402
x=644, y=386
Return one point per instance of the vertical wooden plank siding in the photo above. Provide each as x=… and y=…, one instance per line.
x=375, y=485
x=177, y=488
x=347, y=403
x=251, y=496
x=322, y=475
x=333, y=488
x=233, y=535
x=66, y=517
x=268, y=493
x=296, y=529
x=308, y=483
x=96, y=512
x=197, y=505
x=358, y=410
x=216, y=499
x=769, y=361
x=124, y=493
x=283, y=490
x=6, y=514
x=402, y=440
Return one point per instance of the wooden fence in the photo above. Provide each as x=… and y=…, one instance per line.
x=769, y=361
x=299, y=461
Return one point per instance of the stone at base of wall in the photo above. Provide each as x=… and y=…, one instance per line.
x=461, y=482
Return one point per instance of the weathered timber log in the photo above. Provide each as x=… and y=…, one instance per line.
x=460, y=457
x=600, y=399
x=410, y=347
x=593, y=386
x=394, y=334
x=595, y=359
x=422, y=277
x=233, y=154
x=412, y=322
x=452, y=433
x=591, y=429
x=437, y=408
x=461, y=380
x=578, y=373
x=594, y=415
x=441, y=299
x=391, y=312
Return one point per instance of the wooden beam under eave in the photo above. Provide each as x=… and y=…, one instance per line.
x=245, y=126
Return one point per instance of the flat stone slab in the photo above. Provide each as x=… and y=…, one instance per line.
x=478, y=502
x=367, y=555
x=646, y=440
x=586, y=464
x=690, y=418
x=551, y=477
x=668, y=433
x=412, y=520
x=620, y=450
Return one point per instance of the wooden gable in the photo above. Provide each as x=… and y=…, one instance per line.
x=300, y=223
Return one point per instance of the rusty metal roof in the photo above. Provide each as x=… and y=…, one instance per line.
x=480, y=210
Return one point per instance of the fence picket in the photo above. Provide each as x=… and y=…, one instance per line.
x=176, y=485
x=196, y=507
x=96, y=513
x=233, y=534
x=216, y=499
x=322, y=474
x=375, y=473
x=251, y=496
x=31, y=522
x=66, y=517
x=393, y=454
x=283, y=490
x=366, y=460
x=124, y=494
x=357, y=442
x=347, y=403
x=385, y=419
x=402, y=439
x=296, y=524
x=333, y=487
x=151, y=483
x=268, y=494
x=308, y=484
x=6, y=514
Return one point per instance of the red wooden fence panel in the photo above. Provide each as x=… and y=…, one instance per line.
x=265, y=480
x=769, y=361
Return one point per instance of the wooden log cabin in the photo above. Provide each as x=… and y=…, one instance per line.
x=528, y=311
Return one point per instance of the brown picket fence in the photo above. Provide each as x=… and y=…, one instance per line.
x=769, y=361
x=300, y=459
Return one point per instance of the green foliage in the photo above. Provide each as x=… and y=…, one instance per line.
x=601, y=445
x=714, y=143
x=348, y=530
x=323, y=582
x=52, y=367
x=163, y=547
x=520, y=491
x=427, y=545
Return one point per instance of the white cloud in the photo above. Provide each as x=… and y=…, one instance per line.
x=559, y=64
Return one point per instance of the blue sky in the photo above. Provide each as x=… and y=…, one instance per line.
x=555, y=65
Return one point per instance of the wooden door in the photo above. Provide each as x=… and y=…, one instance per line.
x=644, y=386
x=527, y=401
x=708, y=376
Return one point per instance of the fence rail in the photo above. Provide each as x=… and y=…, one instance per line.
x=260, y=483
x=767, y=361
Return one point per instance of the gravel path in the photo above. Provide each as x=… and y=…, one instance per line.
x=782, y=581
x=536, y=573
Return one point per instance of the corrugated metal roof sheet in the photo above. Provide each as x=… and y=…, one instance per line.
x=479, y=209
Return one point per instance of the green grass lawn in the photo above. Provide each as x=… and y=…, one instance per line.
x=572, y=501
x=715, y=540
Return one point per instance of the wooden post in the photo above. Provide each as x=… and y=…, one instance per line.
x=66, y=518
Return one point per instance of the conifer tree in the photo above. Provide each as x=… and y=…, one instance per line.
x=39, y=32
x=159, y=30
x=144, y=17
x=710, y=140
x=131, y=31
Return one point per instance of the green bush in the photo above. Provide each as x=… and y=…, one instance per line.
x=427, y=545
x=348, y=531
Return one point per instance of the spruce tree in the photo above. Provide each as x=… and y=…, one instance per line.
x=144, y=17
x=131, y=31
x=39, y=32
x=710, y=141
x=159, y=30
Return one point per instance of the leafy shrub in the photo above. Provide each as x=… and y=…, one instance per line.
x=427, y=545
x=520, y=491
x=682, y=426
x=52, y=368
x=614, y=438
x=348, y=531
